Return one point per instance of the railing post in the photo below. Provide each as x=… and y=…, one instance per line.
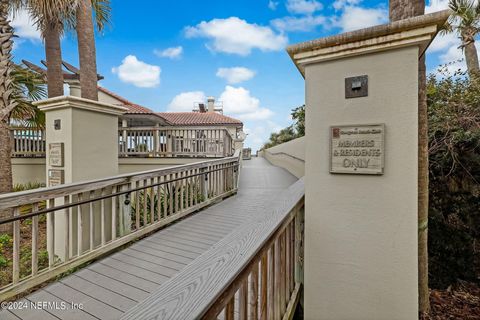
x=299, y=240
x=204, y=183
x=156, y=141
x=124, y=148
x=124, y=212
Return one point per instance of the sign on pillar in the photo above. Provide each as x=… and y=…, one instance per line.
x=82, y=144
x=361, y=170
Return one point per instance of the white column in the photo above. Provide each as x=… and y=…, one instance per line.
x=88, y=132
x=361, y=226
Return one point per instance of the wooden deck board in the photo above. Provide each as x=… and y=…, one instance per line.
x=109, y=287
x=113, y=285
x=72, y=314
x=132, y=280
x=7, y=315
x=90, y=304
x=99, y=293
x=28, y=313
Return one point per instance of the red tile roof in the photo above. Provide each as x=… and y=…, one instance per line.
x=176, y=118
x=133, y=108
x=197, y=118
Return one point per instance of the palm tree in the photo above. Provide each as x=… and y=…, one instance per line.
x=50, y=17
x=24, y=87
x=6, y=104
x=402, y=9
x=86, y=42
x=27, y=86
x=465, y=21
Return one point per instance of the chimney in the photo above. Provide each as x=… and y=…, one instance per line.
x=211, y=104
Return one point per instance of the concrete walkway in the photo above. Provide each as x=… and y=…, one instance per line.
x=109, y=287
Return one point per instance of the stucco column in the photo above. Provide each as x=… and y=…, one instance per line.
x=81, y=144
x=361, y=170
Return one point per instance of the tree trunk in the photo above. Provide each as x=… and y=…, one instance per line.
x=86, y=50
x=53, y=54
x=6, y=44
x=423, y=181
x=402, y=9
x=471, y=57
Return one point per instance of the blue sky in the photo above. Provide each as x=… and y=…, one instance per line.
x=166, y=55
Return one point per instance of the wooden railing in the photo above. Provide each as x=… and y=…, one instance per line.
x=257, y=270
x=174, y=142
x=28, y=142
x=92, y=218
x=141, y=142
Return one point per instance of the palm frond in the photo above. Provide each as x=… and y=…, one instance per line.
x=58, y=12
x=102, y=10
x=27, y=86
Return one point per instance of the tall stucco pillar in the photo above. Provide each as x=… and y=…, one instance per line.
x=362, y=169
x=82, y=144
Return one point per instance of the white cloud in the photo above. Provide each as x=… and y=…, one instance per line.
x=303, y=6
x=23, y=26
x=138, y=73
x=258, y=133
x=235, y=74
x=304, y=23
x=185, y=101
x=172, y=53
x=272, y=5
x=436, y=5
x=340, y=4
x=354, y=17
x=238, y=102
x=443, y=42
x=236, y=36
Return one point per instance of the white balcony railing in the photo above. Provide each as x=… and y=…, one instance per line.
x=141, y=142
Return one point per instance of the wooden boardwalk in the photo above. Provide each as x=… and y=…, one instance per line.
x=109, y=287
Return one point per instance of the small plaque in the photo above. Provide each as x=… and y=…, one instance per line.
x=357, y=149
x=55, y=154
x=55, y=177
x=356, y=87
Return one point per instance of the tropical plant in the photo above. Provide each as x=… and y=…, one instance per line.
x=18, y=87
x=398, y=10
x=50, y=16
x=7, y=104
x=465, y=22
x=28, y=86
x=454, y=134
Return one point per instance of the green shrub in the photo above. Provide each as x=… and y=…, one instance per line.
x=454, y=217
x=5, y=240
x=3, y=261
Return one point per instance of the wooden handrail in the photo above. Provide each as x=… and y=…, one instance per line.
x=267, y=252
x=121, y=208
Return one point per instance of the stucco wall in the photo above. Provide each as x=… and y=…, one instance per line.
x=289, y=155
x=361, y=231
x=25, y=170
